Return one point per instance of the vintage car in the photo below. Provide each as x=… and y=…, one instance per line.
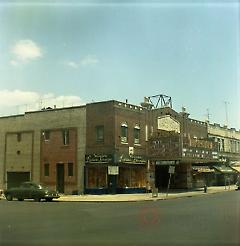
x=30, y=190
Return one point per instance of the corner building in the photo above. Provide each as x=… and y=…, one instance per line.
x=116, y=148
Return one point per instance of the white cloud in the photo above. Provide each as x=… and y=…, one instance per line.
x=88, y=60
x=17, y=101
x=72, y=64
x=25, y=50
x=14, y=63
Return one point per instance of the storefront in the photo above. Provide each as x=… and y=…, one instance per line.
x=102, y=176
x=225, y=175
x=203, y=175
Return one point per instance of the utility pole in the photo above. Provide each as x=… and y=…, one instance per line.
x=226, y=111
x=208, y=115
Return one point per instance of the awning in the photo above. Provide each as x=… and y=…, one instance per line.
x=237, y=168
x=202, y=169
x=224, y=169
x=235, y=165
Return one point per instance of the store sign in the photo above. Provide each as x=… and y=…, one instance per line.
x=166, y=163
x=167, y=123
x=134, y=159
x=113, y=170
x=98, y=158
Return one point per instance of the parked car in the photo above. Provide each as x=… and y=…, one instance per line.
x=30, y=190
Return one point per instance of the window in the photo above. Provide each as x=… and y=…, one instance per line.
x=46, y=135
x=46, y=169
x=96, y=177
x=19, y=137
x=136, y=133
x=124, y=133
x=70, y=169
x=65, y=136
x=100, y=133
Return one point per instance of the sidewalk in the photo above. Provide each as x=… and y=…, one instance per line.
x=144, y=196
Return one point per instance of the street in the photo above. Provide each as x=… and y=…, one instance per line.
x=200, y=220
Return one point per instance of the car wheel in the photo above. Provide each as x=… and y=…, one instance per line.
x=9, y=197
x=37, y=199
x=49, y=199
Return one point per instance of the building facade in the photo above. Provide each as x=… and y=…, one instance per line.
x=115, y=147
x=45, y=146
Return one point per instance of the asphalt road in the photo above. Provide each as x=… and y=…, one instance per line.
x=202, y=220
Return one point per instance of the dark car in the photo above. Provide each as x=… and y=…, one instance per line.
x=30, y=190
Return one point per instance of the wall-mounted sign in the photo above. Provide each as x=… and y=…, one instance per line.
x=113, y=170
x=167, y=123
x=134, y=159
x=98, y=158
x=166, y=163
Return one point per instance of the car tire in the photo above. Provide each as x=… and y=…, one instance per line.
x=9, y=197
x=49, y=199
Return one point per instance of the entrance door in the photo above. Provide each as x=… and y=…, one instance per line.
x=161, y=176
x=112, y=184
x=60, y=177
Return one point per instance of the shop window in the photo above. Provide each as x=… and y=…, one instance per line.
x=70, y=169
x=19, y=137
x=100, y=133
x=65, y=134
x=136, y=133
x=46, y=135
x=124, y=133
x=96, y=177
x=46, y=169
x=132, y=177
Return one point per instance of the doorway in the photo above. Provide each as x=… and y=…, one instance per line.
x=161, y=176
x=60, y=177
x=112, y=184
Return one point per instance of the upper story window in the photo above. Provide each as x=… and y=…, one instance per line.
x=65, y=134
x=124, y=133
x=136, y=133
x=19, y=137
x=46, y=169
x=46, y=135
x=100, y=133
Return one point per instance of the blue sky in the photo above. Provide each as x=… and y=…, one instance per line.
x=74, y=52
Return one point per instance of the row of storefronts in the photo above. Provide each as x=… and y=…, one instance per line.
x=115, y=147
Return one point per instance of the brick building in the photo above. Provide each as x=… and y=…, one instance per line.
x=112, y=147
x=115, y=148
x=45, y=146
x=129, y=148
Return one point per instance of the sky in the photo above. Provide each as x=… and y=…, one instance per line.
x=69, y=53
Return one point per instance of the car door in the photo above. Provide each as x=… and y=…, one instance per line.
x=24, y=191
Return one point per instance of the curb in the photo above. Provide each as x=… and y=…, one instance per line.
x=147, y=199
